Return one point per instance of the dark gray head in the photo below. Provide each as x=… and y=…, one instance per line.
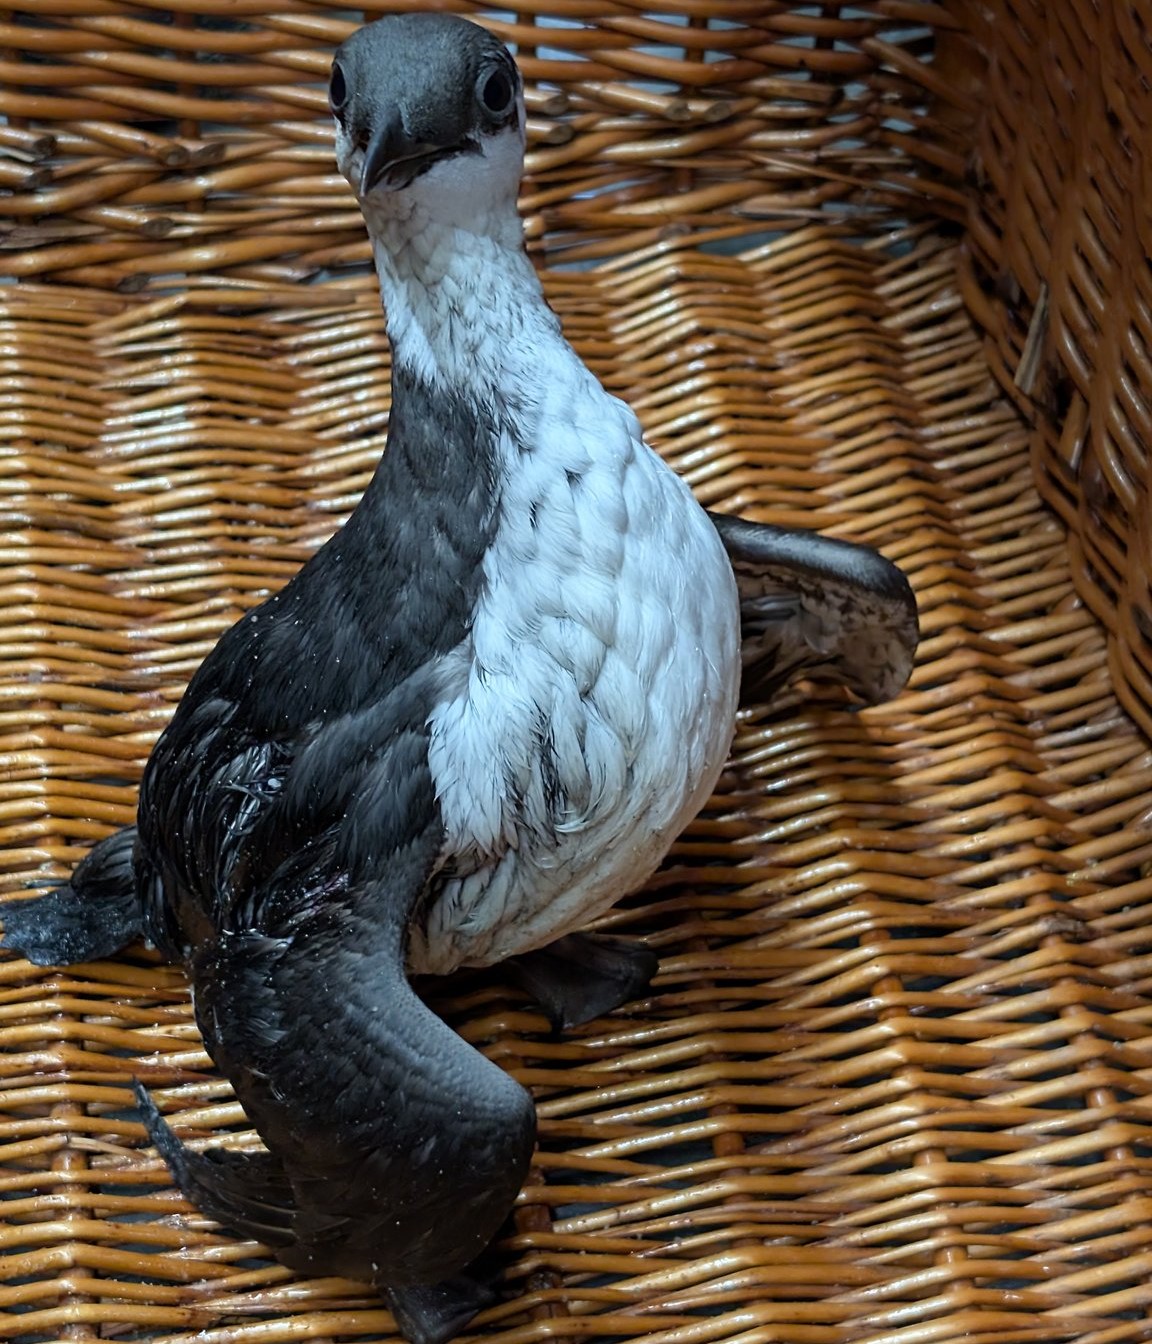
x=411, y=92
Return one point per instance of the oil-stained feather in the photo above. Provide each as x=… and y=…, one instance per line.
x=247, y=1192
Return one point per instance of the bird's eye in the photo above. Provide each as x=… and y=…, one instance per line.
x=337, y=90
x=497, y=92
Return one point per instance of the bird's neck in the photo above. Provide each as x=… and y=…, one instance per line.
x=464, y=305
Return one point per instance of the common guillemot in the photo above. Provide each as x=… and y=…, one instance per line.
x=477, y=716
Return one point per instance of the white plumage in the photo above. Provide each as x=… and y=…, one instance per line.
x=586, y=717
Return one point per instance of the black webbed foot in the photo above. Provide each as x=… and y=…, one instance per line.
x=434, y=1313
x=584, y=975
x=93, y=915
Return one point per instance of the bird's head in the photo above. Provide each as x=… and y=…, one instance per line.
x=429, y=110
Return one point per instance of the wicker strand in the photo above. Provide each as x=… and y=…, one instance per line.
x=892, y=1084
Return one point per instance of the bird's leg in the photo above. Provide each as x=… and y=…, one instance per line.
x=584, y=975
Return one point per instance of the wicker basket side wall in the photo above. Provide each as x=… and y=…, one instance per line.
x=145, y=147
x=1061, y=234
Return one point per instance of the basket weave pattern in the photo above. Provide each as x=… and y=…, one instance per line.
x=893, y=1081
x=154, y=147
x=1061, y=230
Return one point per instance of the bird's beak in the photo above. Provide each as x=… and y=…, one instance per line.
x=391, y=148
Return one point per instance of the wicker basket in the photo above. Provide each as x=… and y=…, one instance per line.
x=850, y=265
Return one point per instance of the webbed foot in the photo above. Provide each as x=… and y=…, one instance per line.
x=93, y=915
x=584, y=975
x=433, y=1313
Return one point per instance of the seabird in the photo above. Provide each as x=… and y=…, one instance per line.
x=476, y=717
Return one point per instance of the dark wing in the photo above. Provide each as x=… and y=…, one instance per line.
x=818, y=607
x=396, y=1149
x=385, y=598
x=251, y=1194
x=247, y=1192
x=403, y=1146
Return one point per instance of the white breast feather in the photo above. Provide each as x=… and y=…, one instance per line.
x=586, y=717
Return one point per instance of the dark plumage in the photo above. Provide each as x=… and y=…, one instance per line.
x=286, y=828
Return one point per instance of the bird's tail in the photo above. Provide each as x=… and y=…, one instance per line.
x=92, y=915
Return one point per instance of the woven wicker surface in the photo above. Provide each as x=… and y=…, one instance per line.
x=1061, y=226
x=893, y=1083
x=150, y=145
